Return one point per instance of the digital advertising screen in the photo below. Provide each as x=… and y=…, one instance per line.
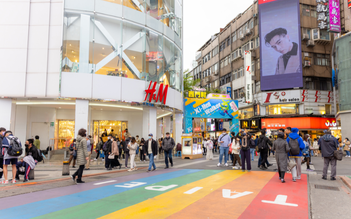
x=280, y=49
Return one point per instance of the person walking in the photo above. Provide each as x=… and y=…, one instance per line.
x=347, y=147
x=263, y=144
x=245, y=151
x=141, y=146
x=2, y=135
x=115, y=152
x=315, y=147
x=224, y=141
x=132, y=146
x=72, y=153
x=253, y=148
x=82, y=155
x=126, y=151
x=9, y=159
x=98, y=148
x=328, y=144
x=281, y=148
x=37, y=142
x=306, y=153
x=209, y=147
x=235, y=151
x=150, y=149
x=167, y=146
x=89, y=148
x=107, y=151
x=296, y=145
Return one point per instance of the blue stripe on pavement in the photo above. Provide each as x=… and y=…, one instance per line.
x=47, y=206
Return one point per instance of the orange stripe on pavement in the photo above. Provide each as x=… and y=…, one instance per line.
x=215, y=205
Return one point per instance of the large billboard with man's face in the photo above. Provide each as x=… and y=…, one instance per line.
x=280, y=47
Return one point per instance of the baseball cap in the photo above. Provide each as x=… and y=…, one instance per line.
x=151, y=134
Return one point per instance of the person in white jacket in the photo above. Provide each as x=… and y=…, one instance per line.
x=236, y=151
x=132, y=146
x=209, y=147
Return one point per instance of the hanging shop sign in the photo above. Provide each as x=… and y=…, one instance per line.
x=328, y=15
x=292, y=96
x=255, y=124
x=156, y=93
x=196, y=94
x=317, y=96
x=299, y=122
x=248, y=76
x=244, y=124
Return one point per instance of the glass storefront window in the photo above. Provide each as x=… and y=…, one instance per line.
x=65, y=133
x=246, y=113
x=106, y=127
x=282, y=109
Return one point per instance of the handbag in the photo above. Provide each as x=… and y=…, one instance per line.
x=338, y=155
x=291, y=164
x=111, y=156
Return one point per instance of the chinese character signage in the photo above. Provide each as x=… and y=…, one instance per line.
x=197, y=94
x=334, y=16
x=349, y=3
x=157, y=96
x=328, y=15
x=280, y=47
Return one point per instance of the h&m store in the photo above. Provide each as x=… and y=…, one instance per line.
x=88, y=64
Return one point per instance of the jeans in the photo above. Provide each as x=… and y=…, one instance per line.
x=168, y=154
x=223, y=151
x=252, y=151
x=347, y=153
x=151, y=162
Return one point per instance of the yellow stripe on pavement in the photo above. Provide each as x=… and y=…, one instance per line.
x=173, y=201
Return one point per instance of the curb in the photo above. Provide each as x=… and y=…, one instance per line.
x=346, y=180
x=3, y=188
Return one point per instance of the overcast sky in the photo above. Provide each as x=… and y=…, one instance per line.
x=204, y=18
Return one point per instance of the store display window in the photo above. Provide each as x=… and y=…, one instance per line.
x=65, y=133
x=105, y=127
x=282, y=109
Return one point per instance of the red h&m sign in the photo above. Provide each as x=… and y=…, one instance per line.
x=161, y=94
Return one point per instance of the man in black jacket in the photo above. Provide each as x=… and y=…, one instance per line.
x=2, y=134
x=107, y=150
x=31, y=150
x=150, y=149
x=168, y=145
x=328, y=144
x=263, y=147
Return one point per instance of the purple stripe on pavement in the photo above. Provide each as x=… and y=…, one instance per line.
x=27, y=198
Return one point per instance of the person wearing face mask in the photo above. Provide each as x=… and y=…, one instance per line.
x=167, y=146
x=150, y=149
x=107, y=150
x=29, y=161
x=2, y=134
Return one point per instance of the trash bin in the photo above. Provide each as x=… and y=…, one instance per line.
x=65, y=168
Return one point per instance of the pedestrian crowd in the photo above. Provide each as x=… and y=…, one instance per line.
x=290, y=149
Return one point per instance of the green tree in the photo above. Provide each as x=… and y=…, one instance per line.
x=188, y=82
x=213, y=91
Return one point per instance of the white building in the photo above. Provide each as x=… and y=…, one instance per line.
x=71, y=64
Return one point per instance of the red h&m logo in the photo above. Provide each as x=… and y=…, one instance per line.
x=161, y=94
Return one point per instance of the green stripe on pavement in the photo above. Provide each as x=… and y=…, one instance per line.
x=125, y=199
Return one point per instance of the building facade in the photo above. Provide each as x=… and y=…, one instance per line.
x=241, y=37
x=101, y=65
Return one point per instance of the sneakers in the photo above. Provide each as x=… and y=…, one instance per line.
x=95, y=159
x=309, y=169
x=218, y=165
x=235, y=168
x=298, y=177
x=294, y=180
x=283, y=181
x=73, y=178
x=332, y=178
x=325, y=178
x=226, y=164
x=269, y=165
x=130, y=170
x=14, y=181
x=5, y=182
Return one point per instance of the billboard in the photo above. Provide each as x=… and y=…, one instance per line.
x=248, y=76
x=334, y=16
x=280, y=46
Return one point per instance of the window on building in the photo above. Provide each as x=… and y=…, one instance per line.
x=307, y=31
x=324, y=35
x=234, y=75
x=240, y=32
x=253, y=67
x=228, y=41
x=257, y=42
x=321, y=59
x=215, y=67
x=258, y=63
x=215, y=51
x=234, y=37
x=306, y=10
x=282, y=109
x=252, y=24
x=313, y=11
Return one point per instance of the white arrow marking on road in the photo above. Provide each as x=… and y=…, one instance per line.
x=131, y=184
x=280, y=200
x=227, y=194
x=193, y=190
x=100, y=183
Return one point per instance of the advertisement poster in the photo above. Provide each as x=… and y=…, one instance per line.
x=334, y=16
x=194, y=145
x=281, y=61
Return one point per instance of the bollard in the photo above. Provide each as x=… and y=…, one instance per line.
x=65, y=168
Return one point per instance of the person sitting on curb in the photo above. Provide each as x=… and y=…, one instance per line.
x=29, y=161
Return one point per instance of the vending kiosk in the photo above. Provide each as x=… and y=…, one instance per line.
x=192, y=146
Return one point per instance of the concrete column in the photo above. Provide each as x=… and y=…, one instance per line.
x=178, y=121
x=166, y=125
x=6, y=110
x=84, y=44
x=82, y=116
x=149, y=121
x=159, y=128
x=21, y=123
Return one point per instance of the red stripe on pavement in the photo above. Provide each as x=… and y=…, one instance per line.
x=296, y=192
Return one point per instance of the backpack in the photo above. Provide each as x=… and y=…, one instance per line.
x=252, y=142
x=15, y=148
x=261, y=144
x=104, y=148
x=71, y=147
x=294, y=146
x=40, y=156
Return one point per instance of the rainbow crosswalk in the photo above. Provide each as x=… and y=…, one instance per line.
x=187, y=193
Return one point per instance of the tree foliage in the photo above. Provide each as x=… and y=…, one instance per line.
x=188, y=82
